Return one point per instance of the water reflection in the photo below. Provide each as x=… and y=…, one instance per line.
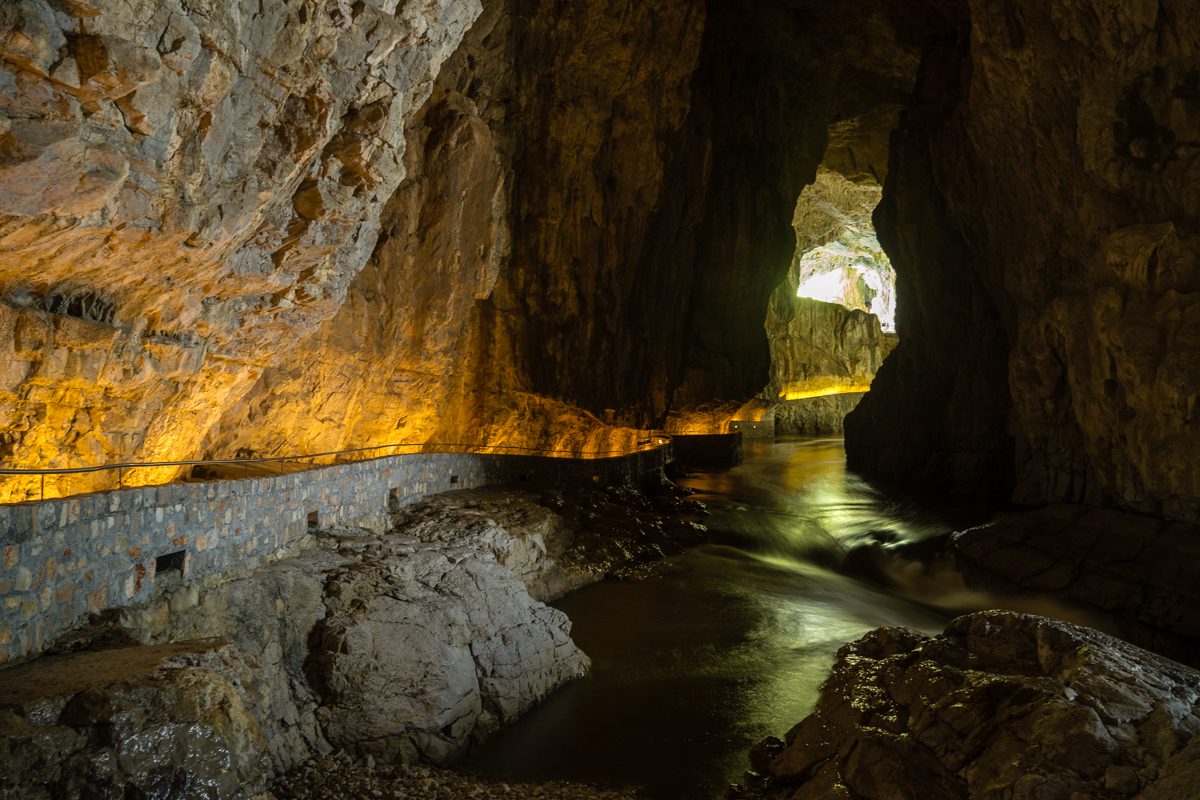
x=731, y=641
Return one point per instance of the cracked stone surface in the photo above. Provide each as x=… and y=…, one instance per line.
x=426, y=647
x=166, y=721
x=1000, y=705
x=187, y=189
x=1138, y=569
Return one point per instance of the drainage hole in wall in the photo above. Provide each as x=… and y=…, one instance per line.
x=454, y=479
x=171, y=562
x=393, y=499
x=314, y=521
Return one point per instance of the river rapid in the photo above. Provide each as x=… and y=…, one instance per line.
x=729, y=642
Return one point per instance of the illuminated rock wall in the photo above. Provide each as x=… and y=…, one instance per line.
x=822, y=348
x=187, y=190
x=1042, y=215
x=504, y=297
x=268, y=226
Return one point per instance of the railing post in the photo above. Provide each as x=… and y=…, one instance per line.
x=120, y=477
x=43, y=492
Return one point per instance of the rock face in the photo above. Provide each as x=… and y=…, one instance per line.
x=1041, y=213
x=166, y=721
x=188, y=190
x=838, y=257
x=822, y=348
x=1138, y=571
x=314, y=219
x=825, y=320
x=780, y=92
x=426, y=648
x=1000, y=705
x=508, y=271
x=815, y=416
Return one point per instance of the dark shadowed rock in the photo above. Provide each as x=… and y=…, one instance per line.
x=1000, y=705
x=165, y=721
x=1138, y=570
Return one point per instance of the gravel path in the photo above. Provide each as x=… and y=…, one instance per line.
x=340, y=777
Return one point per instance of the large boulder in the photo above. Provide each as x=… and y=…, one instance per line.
x=428, y=647
x=1000, y=705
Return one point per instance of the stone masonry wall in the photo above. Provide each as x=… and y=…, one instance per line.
x=63, y=559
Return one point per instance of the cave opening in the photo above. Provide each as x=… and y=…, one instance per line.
x=831, y=322
x=852, y=270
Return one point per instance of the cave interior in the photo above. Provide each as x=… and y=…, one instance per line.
x=963, y=235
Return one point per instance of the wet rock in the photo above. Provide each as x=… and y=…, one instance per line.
x=425, y=648
x=622, y=532
x=1138, y=570
x=342, y=776
x=999, y=705
x=165, y=721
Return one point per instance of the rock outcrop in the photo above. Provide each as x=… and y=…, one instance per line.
x=165, y=721
x=1136, y=571
x=405, y=646
x=822, y=348
x=999, y=705
x=426, y=648
x=815, y=416
x=1041, y=213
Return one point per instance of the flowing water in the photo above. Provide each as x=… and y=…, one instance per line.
x=730, y=641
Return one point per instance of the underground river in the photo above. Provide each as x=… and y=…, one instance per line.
x=729, y=642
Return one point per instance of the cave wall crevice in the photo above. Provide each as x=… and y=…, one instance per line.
x=1063, y=166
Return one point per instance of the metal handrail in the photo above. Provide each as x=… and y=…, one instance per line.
x=643, y=446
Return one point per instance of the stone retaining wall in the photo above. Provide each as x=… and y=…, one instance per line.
x=63, y=559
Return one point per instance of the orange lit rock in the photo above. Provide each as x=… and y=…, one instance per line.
x=822, y=348
x=182, y=200
x=490, y=300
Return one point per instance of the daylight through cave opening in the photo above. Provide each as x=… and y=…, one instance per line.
x=831, y=322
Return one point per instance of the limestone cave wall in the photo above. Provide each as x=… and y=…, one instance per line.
x=268, y=226
x=1043, y=214
x=504, y=300
x=187, y=190
x=576, y=229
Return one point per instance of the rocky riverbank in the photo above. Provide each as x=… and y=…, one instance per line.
x=1000, y=705
x=400, y=648
x=340, y=777
x=1132, y=574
